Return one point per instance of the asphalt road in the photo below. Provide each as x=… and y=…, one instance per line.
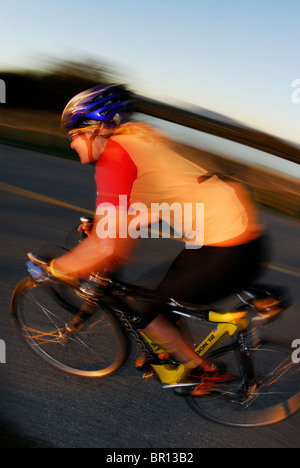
x=42, y=407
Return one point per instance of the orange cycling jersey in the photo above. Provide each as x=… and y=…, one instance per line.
x=147, y=170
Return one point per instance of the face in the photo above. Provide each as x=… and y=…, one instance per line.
x=87, y=146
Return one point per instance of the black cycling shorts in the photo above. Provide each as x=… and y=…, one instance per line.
x=203, y=276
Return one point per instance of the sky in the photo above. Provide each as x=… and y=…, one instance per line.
x=239, y=58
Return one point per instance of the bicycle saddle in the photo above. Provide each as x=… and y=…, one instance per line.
x=267, y=300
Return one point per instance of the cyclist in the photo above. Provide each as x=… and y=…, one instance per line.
x=135, y=163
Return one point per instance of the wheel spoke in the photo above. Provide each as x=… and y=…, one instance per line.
x=274, y=396
x=41, y=315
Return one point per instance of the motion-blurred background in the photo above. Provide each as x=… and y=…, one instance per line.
x=221, y=77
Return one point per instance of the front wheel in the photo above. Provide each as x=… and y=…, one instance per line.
x=272, y=396
x=41, y=313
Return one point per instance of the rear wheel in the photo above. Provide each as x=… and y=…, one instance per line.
x=272, y=396
x=41, y=313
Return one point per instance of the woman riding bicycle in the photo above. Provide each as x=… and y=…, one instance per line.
x=135, y=164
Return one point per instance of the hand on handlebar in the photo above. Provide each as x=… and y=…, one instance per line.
x=51, y=271
x=40, y=270
x=35, y=271
x=86, y=227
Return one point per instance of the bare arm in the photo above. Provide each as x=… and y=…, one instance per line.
x=93, y=253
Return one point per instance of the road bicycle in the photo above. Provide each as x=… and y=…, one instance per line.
x=83, y=329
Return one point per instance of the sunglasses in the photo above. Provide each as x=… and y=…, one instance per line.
x=73, y=135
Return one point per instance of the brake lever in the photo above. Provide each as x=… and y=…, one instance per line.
x=34, y=258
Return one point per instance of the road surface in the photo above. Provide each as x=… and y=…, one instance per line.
x=42, y=407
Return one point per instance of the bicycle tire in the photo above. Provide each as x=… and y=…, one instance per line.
x=276, y=397
x=39, y=314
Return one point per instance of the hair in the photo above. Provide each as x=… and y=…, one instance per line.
x=143, y=131
x=137, y=129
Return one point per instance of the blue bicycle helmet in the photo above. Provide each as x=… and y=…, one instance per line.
x=110, y=105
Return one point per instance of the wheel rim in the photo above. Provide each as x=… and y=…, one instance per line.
x=97, y=350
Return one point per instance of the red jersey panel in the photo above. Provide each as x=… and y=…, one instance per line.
x=115, y=174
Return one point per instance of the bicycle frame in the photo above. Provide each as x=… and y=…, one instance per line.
x=255, y=366
x=170, y=373
x=100, y=290
x=228, y=324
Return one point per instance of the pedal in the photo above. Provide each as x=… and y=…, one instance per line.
x=143, y=366
x=148, y=374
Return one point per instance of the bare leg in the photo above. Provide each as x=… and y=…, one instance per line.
x=168, y=337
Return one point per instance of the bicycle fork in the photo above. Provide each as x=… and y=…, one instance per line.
x=89, y=293
x=84, y=313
